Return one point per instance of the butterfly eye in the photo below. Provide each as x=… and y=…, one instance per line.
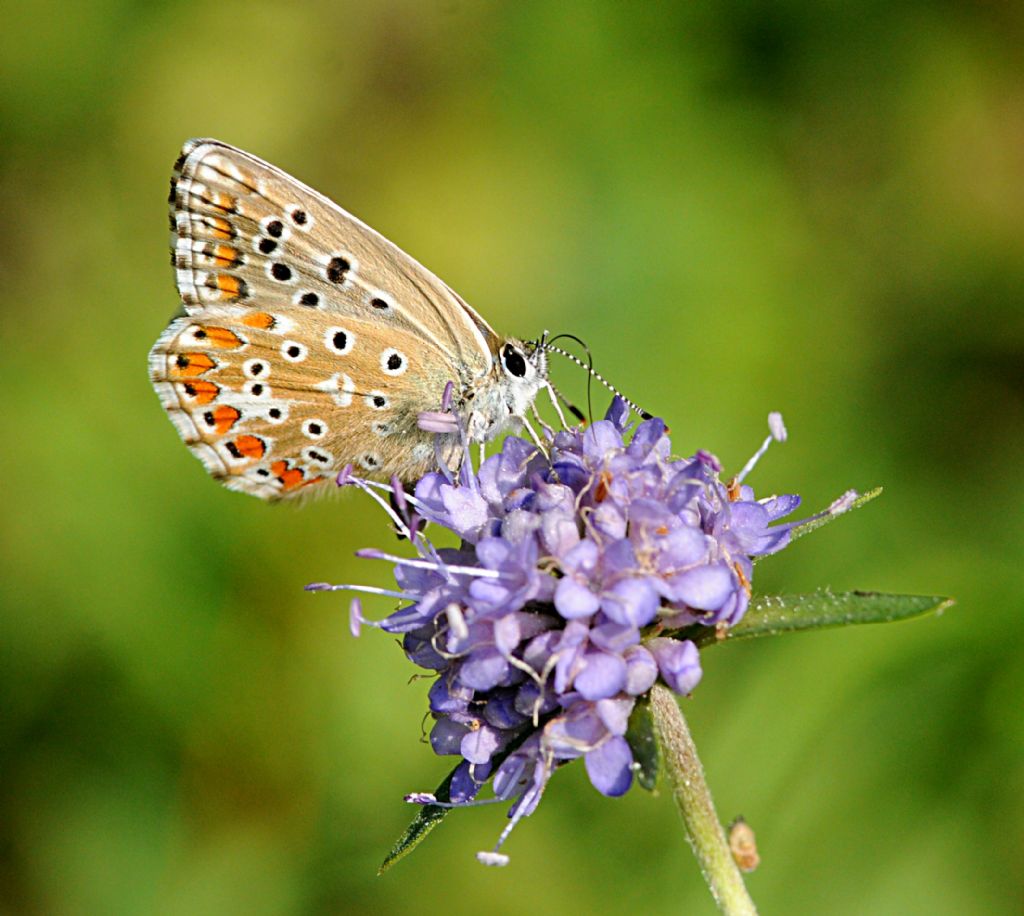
x=515, y=363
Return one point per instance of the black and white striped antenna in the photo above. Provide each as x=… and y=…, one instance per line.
x=588, y=366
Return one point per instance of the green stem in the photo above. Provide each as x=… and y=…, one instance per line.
x=703, y=829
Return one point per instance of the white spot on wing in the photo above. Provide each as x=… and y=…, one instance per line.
x=317, y=456
x=314, y=428
x=256, y=368
x=393, y=361
x=370, y=461
x=281, y=408
x=349, y=273
x=291, y=209
x=340, y=387
x=257, y=390
x=331, y=342
x=285, y=230
x=380, y=301
x=293, y=351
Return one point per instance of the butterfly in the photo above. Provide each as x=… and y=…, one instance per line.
x=310, y=342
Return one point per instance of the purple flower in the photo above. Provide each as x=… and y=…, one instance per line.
x=549, y=622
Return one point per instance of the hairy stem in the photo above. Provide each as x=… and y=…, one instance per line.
x=690, y=790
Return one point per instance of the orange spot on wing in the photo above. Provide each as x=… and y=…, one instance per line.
x=292, y=478
x=189, y=365
x=201, y=391
x=219, y=228
x=251, y=446
x=224, y=255
x=230, y=286
x=260, y=320
x=223, y=202
x=224, y=418
x=223, y=338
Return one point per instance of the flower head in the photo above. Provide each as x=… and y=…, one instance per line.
x=577, y=563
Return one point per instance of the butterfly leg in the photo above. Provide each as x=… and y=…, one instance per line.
x=553, y=397
x=547, y=430
x=536, y=439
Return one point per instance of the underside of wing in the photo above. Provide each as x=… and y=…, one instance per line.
x=246, y=233
x=275, y=402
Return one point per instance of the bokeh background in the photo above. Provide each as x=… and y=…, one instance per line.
x=741, y=206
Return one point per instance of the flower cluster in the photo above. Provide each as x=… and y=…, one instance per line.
x=578, y=562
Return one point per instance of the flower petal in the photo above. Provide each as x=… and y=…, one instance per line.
x=467, y=779
x=631, y=601
x=705, y=588
x=573, y=600
x=484, y=669
x=603, y=675
x=466, y=509
x=614, y=713
x=479, y=745
x=678, y=662
x=641, y=670
x=600, y=441
x=610, y=767
x=446, y=736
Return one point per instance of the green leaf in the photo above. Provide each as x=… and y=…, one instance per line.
x=430, y=816
x=427, y=819
x=643, y=744
x=807, y=527
x=770, y=615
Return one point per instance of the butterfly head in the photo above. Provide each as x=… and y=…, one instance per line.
x=519, y=371
x=524, y=365
x=524, y=368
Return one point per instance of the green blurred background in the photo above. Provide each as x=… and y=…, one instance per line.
x=810, y=207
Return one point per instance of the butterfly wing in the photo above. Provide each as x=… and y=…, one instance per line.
x=244, y=232
x=275, y=401
x=309, y=340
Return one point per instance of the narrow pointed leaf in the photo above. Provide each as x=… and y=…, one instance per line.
x=641, y=740
x=800, y=530
x=770, y=615
x=428, y=817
